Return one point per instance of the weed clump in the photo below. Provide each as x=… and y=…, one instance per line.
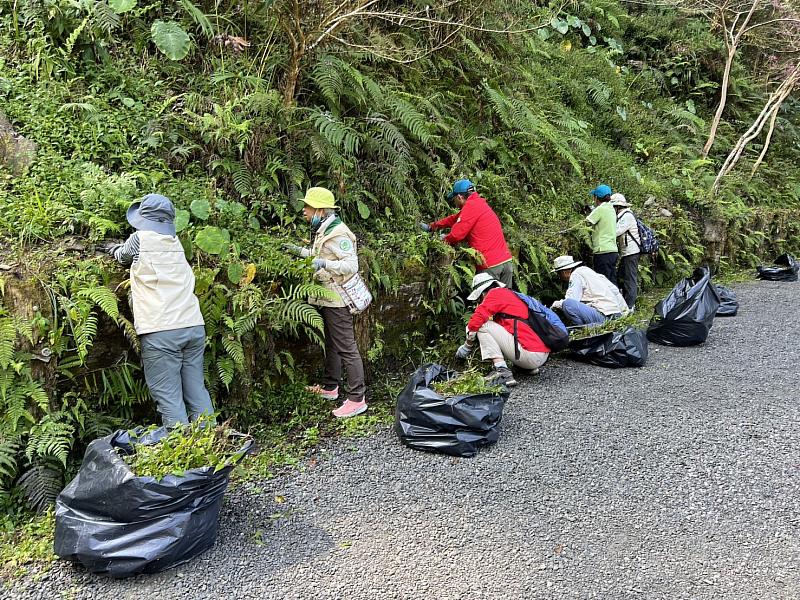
x=194, y=446
x=468, y=383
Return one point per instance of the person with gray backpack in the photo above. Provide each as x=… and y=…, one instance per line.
x=629, y=242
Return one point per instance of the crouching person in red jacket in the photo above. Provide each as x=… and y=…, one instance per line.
x=492, y=325
x=476, y=224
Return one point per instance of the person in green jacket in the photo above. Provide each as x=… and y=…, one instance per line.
x=603, y=220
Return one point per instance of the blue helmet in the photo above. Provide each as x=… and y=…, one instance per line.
x=601, y=191
x=462, y=186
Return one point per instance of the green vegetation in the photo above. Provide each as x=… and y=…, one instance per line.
x=232, y=110
x=467, y=383
x=194, y=446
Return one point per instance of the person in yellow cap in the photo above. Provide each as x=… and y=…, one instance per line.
x=335, y=261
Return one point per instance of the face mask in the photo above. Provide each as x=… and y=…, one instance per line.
x=316, y=221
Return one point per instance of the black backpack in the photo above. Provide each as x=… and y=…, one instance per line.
x=544, y=323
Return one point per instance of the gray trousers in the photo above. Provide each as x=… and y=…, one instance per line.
x=173, y=369
x=628, y=276
x=341, y=349
x=503, y=272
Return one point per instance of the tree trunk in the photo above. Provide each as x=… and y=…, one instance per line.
x=292, y=77
x=722, y=101
x=766, y=141
x=773, y=104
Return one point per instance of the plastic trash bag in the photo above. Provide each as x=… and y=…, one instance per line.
x=111, y=521
x=457, y=426
x=613, y=349
x=785, y=269
x=728, y=306
x=685, y=316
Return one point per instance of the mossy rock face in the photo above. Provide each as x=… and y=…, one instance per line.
x=16, y=152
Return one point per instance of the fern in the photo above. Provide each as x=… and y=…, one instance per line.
x=14, y=400
x=103, y=297
x=105, y=18
x=234, y=349
x=599, y=93
x=50, y=438
x=242, y=180
x=410, y=118
x=226, y=370
x=337, y=133
x=40, y=485
x=8, y=338
x=9, y=448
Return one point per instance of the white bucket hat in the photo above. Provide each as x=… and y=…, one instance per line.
x=619, y=200
x=564, y=262
x=480, y=282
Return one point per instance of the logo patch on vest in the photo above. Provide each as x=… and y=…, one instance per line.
x=345, y=245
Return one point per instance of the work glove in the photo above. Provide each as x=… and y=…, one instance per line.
x=319, y=263
x=108, y=246
x=442, y=236
x=557, y=305
x=292, y=248
x=463, y=352
x=425, y=227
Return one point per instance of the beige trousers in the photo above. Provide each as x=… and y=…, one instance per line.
x=497, y=343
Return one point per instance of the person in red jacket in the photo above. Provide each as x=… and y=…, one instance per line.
x=477, y=224
x=495, y=333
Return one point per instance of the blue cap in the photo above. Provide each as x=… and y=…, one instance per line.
x=601, y=191
x=153, y=213
x=462, y=186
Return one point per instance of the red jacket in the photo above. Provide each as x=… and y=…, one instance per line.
x=478, y=225
x=503, y=300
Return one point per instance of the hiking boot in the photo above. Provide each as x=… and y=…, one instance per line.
x=522, y=371
x=350, y=409
x=321, y=391
x=503, y=375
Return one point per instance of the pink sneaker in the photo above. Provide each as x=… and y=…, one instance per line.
x=350, y=409
x=327, y=394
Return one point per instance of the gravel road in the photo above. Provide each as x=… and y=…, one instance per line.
x=677, y=480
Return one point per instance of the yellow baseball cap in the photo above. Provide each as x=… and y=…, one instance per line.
x=320, y=197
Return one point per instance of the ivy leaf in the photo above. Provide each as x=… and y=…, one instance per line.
x=254, y=223
x=560, y=25
x=587, y=31
x=171, y=39
x=574, y=21
x=235, y=272
x=363, y=210
x=181, y=219
x=200, y=208
x=121, y=6
x=213, y=240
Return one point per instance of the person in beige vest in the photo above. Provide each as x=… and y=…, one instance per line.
x=335, y=261
x=166, y=313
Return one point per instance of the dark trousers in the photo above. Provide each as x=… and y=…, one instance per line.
x=606, y=264
x=629, y=278
x=504, y=272
x=341, y=349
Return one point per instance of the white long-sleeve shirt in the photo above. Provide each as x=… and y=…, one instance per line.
x=627, y=233
x=595, y=290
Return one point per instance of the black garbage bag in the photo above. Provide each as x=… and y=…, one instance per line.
x=728, y=305
x=457, y=426
x=785, y=269
x=613, y=349
x=111, y=521
x=685, y=316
